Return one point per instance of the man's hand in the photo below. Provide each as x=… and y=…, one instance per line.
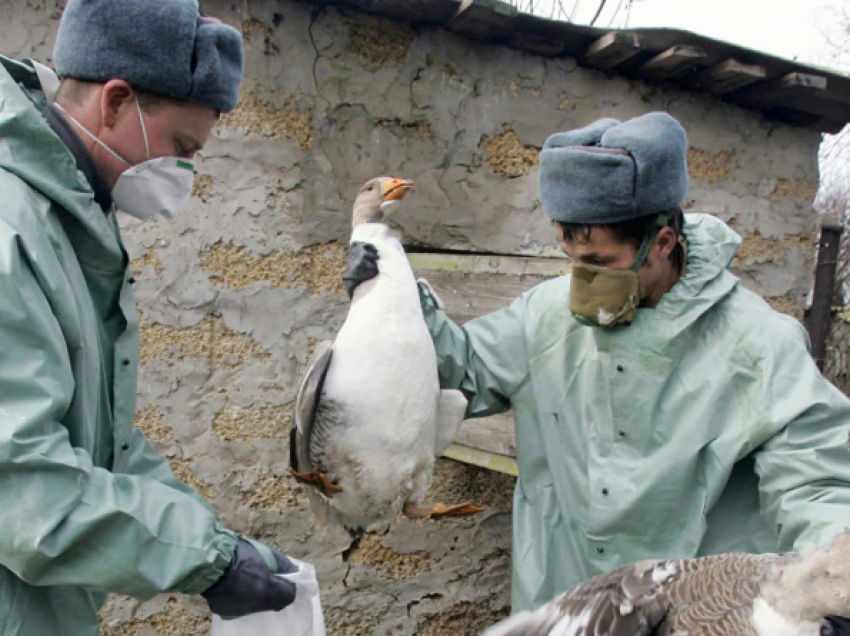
x=361, y=265
x=249, y=586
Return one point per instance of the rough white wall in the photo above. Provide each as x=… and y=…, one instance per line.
x=235, y=292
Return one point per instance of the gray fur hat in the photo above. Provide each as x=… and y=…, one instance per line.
x=610, y=172
x=160, y=46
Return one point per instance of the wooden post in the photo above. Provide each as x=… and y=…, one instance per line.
x=819, y=318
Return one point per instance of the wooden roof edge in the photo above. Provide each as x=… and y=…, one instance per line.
x=817, y=98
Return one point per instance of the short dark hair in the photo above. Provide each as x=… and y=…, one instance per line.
x=633, y=231
x=75, y=91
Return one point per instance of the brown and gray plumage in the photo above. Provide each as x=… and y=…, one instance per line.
x=791, y=594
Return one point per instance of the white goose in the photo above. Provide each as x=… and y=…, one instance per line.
x=370, y=417
x=734, y=594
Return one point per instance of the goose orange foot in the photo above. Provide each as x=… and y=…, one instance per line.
x=438, y=511
x=319, y=480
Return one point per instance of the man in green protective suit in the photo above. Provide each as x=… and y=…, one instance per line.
x=662, y=410
x=86, y=505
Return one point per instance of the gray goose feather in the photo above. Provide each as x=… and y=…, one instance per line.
x=734, y=594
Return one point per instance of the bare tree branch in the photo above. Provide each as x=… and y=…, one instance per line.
x=598, y=11
x=568, y=10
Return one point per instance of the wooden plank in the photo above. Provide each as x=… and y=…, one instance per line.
x=472, y=285
x=483, y=20
x=489, y=264
x=467, y=296
x=496, y=434
x=612, y=49
x=484, y=459
x=781, y=91
x=728, y=76
x=673, y=62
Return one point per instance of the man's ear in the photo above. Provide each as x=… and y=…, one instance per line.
x=114, y=97
x=666, y=241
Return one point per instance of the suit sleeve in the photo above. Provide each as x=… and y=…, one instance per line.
x=804, y=468
x=64, y=521
x=485, y=358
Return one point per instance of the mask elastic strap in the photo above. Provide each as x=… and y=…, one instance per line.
x=646, y=244
x=144, y=129
x=90, y=134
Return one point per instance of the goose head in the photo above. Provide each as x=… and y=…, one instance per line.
x=810, y=596
x=378, y=198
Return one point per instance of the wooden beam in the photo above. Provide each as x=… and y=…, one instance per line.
x=612, y=49
x=483, y=459
x=496, y=434
x=472, y=285
x=467, y=296
x=781, y=91
x=728, y=76
x=672, y=62
x=483, y=20
x=489, y=264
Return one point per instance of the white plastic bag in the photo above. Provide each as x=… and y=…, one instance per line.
x=302, y=618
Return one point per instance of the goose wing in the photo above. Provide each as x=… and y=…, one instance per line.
x=628, y=601
x=714, y=595
x=306, y=406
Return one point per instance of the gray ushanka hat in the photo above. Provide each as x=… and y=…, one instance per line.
x=159, y=46
x=610, y=172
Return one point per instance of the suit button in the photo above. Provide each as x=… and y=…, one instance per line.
x=126, y=362
x=131, y=280
x=604, y=491
x=620, y=368
x=600, y=549
x=125, y=446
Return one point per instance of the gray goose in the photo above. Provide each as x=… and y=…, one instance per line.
x=735, y=594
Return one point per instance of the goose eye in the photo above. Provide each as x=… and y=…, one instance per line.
x=826, y=629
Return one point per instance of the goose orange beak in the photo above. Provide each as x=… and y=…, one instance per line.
x=395, y=189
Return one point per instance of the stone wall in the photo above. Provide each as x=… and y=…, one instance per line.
x=234, y=293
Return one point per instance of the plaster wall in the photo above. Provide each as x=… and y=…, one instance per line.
x=234, y=293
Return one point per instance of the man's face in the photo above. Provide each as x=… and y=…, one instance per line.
x=173, y=130
x=602, y=249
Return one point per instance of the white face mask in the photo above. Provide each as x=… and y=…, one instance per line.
x=156, y=186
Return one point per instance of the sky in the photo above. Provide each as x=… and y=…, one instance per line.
x=787, y=28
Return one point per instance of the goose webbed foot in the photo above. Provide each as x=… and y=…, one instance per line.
x=319, y=480
x=439, y=510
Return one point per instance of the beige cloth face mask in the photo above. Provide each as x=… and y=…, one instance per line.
x=603, y=297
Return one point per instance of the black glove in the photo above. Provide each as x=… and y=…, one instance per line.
x=248, y=586
x=361, y=265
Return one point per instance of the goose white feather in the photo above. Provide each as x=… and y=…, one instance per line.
x=380, y=418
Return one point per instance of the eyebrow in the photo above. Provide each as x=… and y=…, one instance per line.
x=596, y=256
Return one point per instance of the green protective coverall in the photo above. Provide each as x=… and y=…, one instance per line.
x=702, y=427
x=86, y=505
